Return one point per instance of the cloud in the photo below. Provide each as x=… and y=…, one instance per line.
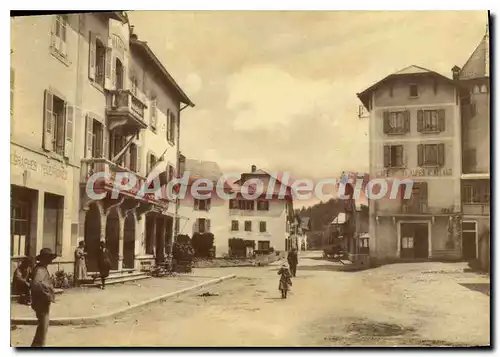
x=192, y=84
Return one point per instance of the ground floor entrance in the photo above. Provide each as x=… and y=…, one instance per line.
x=22, y=220
x=469, y=240
x=414, y=240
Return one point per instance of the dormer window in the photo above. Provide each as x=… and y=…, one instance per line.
x=413, y=91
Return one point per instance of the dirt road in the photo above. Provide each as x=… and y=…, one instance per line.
x=420, y=304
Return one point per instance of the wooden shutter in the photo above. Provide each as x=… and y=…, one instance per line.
x=400, y=154
x=441, y=119
x=174, y=128
x=105, y=142
x=113, y=70
x=387, y=156
x=92, y=55
x=407, y=121
x=48, y=122
x=196, y=204
x=152, y=120
x=109, y=69
x=420, y=154
x=168, y=124
x=441, y=154
x=138, y=159
x=53, y=32
x=386, y=122
x=207, y=226
x=209, y=204
x=89, y=121
x=420, y=120
x=69, y=130
x=196, y=225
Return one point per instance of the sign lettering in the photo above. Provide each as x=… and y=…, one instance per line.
x=45, y=169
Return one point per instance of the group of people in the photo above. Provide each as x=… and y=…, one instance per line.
x=33, y=283
x=287, y=271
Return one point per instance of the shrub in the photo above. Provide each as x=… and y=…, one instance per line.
x=202, y=244
x=62, y=280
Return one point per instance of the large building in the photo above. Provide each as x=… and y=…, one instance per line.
x=263, y=222
x=433, y=130
x=96, y=99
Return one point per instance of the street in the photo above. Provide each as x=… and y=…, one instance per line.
x=418, y=304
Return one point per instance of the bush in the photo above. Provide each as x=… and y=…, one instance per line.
x=202, y=244
x=62, y=280
x=183, y=253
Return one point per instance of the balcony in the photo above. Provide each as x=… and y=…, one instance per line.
x=107, y=183
x=125, y=110
x=481, y=209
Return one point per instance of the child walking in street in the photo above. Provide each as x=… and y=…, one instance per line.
x=285, y=280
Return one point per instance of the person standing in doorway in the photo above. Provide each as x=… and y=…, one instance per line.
x=293, y=261
x=80, y=263
x=42, y=295
x=104, y=262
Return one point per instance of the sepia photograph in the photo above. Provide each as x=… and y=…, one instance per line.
x=250, y=179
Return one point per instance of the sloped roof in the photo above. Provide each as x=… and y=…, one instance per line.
x=478, y=64
x=407, y=71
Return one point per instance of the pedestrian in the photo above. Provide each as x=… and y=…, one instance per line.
x=285, y=280
x=293, y=261
x=42, y=294
x=104, y=263
x=21, y=282
x=80, y=263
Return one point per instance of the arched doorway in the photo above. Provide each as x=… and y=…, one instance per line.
x=129, y=242
x=113, y=237
x=92, y=234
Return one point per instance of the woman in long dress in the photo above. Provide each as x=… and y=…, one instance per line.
x=80, y=263
x=104, y=263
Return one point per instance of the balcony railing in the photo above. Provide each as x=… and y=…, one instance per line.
x=124, y=104
x=108, y=182
x=476, y=208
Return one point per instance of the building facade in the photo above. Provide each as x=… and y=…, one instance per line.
x=264, y=223
x=104, y=104
x=422, y=129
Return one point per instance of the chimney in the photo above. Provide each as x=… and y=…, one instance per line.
x=254, y=168
x=456, y=72
x=133, y=36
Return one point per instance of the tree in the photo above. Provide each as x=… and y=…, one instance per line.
x=202, y=243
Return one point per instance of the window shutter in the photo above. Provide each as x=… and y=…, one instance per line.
x=196, y=204
x=70, y=119
x=420, y=154
x=207, y=223
x=196, y=225
x=441, y=118
x=125, y=79
x=152, y=120
x=400, y=153
x=113, y=70
x=48, y=124
x=387, y=156
x=420, y=120
x=105, y=142
x=89, y=137
x=422, y=192
x=174, y=128
x=386, y=122
x=138, y=159
x=92, y=55
x=53, y=32
x=441, y=154
x=209, y=204
x=407, y=121
x=168, y=124
x=109, y=69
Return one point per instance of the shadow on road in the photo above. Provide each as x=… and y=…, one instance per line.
x=480, y=287
x=323, y=267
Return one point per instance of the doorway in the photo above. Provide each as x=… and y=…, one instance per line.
x=92, y=236
x=129, y=242
x=414, y=240
x=469, y=240
x=113, y=237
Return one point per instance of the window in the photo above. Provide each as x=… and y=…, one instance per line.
x=431, y=121
x=171, y=173
x=134, y=154
x=263, y=245
x=202, y=205
x=484, y=89
x=246, y=205
x=393, y=156
x=58, y=125
x=233, y=204
x=151, y=163
x=248, y=226
x=19, y=228
x=235, y=225
x=153, y=114
x=59, y=33
x=396, y=122
x=476, y=192
x=97, y=133
x=100, y=63
x=431, y=154
x=417, y=203
x=413, y=90
x=171, y=127
x=407, y=242
x=262, y=205
x=202, y=225
x=134, y=85
x=475, y=89
x=52, y=222
x=263, y=227
x=119, y=69
x=96, y=141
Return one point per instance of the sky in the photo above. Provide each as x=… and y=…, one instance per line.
x=278, y=89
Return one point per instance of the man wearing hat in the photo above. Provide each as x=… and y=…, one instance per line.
x=42, y=295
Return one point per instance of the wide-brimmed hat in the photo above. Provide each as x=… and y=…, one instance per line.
x=46, y=253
